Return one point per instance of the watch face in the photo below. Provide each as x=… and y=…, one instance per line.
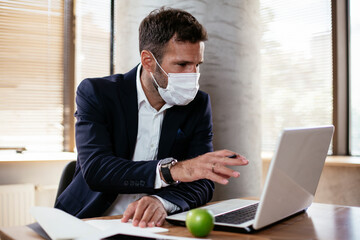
x=166, y=165
x=167, y=160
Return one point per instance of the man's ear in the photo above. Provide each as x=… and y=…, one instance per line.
x=147, y=61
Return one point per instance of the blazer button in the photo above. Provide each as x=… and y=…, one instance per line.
x=142, y=183
x=126, y=183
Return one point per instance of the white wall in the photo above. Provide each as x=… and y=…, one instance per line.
x=44, y=174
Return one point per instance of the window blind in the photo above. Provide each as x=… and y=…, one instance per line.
x=92, y=39
x=31, y=74
x=296, y=68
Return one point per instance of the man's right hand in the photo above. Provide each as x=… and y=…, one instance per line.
x=210, y=165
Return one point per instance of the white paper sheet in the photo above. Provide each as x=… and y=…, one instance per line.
x=60, y=225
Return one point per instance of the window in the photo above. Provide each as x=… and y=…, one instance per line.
x=92, y=39
x=40, y=67
x=31, y=74
x=354, y=76
x=296, y=74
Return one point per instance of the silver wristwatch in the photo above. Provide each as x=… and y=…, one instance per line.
x=165, y=166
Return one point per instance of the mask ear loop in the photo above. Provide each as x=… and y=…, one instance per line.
x=154, y=80
x=158, y=64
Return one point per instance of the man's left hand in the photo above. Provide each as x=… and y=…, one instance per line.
x=148, y=211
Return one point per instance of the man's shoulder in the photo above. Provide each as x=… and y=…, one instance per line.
x=103, y=81
x=201, y=97
x=202, y=94
x=110, y=82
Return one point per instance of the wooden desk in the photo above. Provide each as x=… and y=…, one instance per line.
x=321, y=221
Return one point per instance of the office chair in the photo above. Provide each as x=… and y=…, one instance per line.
x=66, y=177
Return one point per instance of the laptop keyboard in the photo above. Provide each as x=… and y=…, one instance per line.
x=238, y=216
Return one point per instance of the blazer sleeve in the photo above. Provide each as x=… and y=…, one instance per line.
x=194, y=194
x=102, y=170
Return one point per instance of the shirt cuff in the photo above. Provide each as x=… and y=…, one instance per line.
x=159, y=183
x=169, y=206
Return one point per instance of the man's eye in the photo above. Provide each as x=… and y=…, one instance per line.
x=182, y=64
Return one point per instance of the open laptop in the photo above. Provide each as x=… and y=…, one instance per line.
x=289, y=188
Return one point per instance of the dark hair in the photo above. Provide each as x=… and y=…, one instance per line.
x=162, y=24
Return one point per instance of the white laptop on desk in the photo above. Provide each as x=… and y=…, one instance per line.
x=289, y=188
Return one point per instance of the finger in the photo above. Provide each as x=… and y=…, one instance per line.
x=160, y=220
x=223, y=171
x=237, y=161
x=139, y=211
x=150, y=207
x=223, y=153
x=231, y=154
x=155, y=218
x=244, y=159
x=149, y=212
x=129, y=212
x=217, y=178
x=224, y=176
x=227, y=157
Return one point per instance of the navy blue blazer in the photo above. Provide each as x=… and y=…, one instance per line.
x=106, y=131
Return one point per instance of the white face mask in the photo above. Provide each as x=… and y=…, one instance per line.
x=181, y=88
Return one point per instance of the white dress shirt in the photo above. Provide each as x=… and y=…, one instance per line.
x=146, y=149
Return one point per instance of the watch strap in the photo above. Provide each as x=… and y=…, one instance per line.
x=165, y=170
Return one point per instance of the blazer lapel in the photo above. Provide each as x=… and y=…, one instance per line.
x=128, y=99
x=173, y=119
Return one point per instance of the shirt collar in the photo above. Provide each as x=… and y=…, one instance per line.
x=139, y=89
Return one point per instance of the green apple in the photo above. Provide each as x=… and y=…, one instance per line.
x=200, y=222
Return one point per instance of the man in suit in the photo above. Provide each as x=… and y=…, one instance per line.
x=144, y=138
